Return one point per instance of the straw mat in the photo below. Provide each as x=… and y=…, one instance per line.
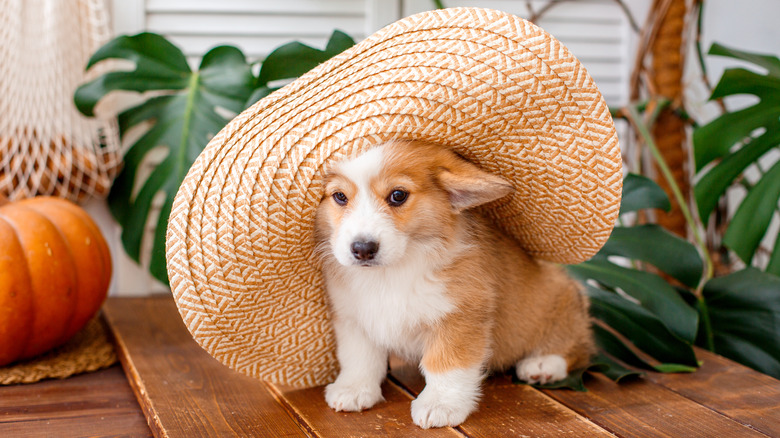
x=89, y=350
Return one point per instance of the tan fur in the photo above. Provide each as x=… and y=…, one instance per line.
x=508, y=305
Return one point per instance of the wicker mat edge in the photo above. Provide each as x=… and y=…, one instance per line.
x=89, y=350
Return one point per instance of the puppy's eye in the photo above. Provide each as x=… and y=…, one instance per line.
x=397, y=197
x=340, y=198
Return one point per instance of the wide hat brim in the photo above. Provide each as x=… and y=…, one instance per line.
x=497, y=89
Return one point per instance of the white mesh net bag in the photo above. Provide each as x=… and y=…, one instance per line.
x=46, y=146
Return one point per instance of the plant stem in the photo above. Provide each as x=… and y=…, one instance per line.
x=630, y=17
x=699, y=52
x=706, y=324
x=438, y=4
x=189, y=108
x=642, y=129
x=535, y=16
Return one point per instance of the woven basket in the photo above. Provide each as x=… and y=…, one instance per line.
x=46, y=146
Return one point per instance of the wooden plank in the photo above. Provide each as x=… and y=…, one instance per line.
x=184, y=391
x=509, y=409
x=642, y=408
x=740, y=393
x=92, y=404
x=391, y=418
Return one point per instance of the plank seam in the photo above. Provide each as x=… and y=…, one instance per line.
x=718, y=412
x=134, y=379
x=299, y=419
x=649, y=382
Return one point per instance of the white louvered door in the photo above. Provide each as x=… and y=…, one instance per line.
x=596, y=31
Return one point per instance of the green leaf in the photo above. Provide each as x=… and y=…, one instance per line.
x=640, y=326
x=612, y=369
x=651, y=291
x=752, y=219
x=715, y=139
x=660, y=248
x=674, y=368
x=733, y=138
x=574, y=381
x=744, y=311
x=769, y=62
x=159, y=65
x=773, y=267
x=742, y=81
x=640, y=192
x=714, y=183
x=294, y=59
x=258, y=94
x=613, y=346
x=182, y=122
x=194, y=107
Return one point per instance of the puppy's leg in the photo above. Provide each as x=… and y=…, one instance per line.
x=363, y=367
x=453, y=366
x=448, y=398
x=563, y=351
x=542, y=369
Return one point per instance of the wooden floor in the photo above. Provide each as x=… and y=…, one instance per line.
x=183, y=392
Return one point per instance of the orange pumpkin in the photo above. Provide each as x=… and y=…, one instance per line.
x=55, y=268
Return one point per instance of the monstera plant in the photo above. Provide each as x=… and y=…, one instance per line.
x=659, y=291
x=183, y=111
x=736, y=141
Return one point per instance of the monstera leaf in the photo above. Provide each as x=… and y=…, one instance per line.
x=182, y=119
x=744, y=308
x=651, y=322
x=737, y=140
x=649, y=313
x=185, y=111
x=294, y=59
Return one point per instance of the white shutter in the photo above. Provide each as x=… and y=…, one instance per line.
x=597, y=32
x=255, y=26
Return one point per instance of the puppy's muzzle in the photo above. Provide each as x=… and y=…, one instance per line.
x=364, y=250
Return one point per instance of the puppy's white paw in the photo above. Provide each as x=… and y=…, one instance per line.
x=352, y=398
x=428, y=410
x=542, y=369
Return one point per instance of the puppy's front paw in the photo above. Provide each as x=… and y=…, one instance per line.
x=352, y=398
x=542, y=369
x=428, y=410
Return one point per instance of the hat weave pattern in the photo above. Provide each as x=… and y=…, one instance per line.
x=497, y=89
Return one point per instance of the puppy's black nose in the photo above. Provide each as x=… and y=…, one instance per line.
x=364, y=250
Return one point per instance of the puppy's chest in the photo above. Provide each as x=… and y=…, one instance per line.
x=393, y=308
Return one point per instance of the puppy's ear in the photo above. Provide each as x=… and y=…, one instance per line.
x=468, y=186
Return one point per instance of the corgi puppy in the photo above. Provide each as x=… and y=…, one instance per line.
x=411, y=269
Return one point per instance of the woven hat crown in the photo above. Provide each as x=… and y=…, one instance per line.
x=499, y=90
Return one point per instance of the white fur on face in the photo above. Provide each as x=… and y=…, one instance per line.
x=366, y=218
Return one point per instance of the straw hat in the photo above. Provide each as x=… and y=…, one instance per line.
x=497, y=89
